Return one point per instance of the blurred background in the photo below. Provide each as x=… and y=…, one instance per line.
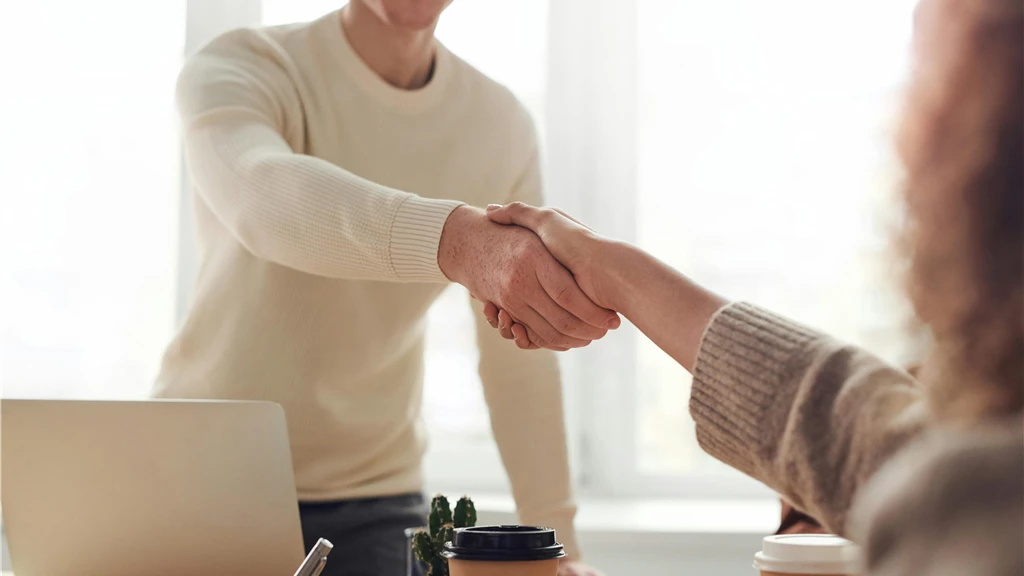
x=745, y=142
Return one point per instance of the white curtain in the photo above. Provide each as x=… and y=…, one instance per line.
x=747, y=143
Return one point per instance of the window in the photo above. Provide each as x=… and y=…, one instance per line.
x=742, y=141
x=90, y=164
x=764, y=170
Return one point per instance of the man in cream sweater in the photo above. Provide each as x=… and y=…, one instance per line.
x=335, y=163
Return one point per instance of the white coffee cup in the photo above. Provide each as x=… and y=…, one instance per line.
x=808, y=554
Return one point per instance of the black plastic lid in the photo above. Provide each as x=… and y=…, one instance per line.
x=503, y=543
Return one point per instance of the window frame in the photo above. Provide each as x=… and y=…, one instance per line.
x=592, y=135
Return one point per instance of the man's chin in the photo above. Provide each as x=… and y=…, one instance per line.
x=413, y=16
x=412, y=24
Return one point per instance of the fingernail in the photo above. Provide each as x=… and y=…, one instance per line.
x=613, y=323
x=493, y=207
x=501, y=323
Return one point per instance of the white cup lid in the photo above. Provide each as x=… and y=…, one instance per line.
x=808, y=554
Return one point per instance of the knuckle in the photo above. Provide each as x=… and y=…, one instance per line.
x=511, y=285
x=563, y=295
x=506, y=293
x=526, y=251
x=538, y=337
x=557, y=340
x=564, y=323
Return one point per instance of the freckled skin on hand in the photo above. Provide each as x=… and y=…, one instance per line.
x=510, y=267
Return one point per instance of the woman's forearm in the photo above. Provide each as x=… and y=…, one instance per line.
x=666, y=306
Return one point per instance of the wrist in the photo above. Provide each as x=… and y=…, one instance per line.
x=613, y=273
x=626, y=270
x=451, y=249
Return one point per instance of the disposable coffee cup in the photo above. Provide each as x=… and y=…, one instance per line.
x=503, y=551
x=808, y=555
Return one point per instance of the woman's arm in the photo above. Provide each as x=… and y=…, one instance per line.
x=811, y=417
x=666, y=306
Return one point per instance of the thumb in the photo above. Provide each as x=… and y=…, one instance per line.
x=515, y=213
x=498, y=213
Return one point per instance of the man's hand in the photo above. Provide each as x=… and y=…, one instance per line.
x=510, y=267
x=576, y=568
x=573, y=244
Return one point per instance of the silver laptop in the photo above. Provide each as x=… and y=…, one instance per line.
x=182, y=488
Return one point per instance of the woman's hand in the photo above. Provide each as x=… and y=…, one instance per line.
x=666, y=306
x=574, y=245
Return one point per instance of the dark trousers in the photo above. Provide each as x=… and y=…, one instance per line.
x=368, y=534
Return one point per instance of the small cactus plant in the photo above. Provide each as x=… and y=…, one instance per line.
x=442, y=524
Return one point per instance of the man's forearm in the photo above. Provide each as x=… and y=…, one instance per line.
x=665, y=305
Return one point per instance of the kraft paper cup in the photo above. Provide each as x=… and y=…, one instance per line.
x=503, y=551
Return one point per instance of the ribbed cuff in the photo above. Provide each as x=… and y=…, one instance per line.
x=562, y=521
x=415, y=236
x=743, y=367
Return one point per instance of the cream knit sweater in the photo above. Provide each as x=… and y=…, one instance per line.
x=321, y=195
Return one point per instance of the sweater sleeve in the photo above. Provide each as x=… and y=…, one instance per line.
x=523, y=390
x=950, y=504
x=809, y=416
x=239, y=110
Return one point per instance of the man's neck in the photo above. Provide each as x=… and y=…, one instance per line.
x=403, y=58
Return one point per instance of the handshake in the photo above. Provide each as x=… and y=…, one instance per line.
x=538, y=271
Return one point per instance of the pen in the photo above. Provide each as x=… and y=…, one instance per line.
x=315, y=561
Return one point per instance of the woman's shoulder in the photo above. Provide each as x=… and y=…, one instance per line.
x=950, y=503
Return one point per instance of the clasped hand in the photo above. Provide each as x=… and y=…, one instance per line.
x=531, y=296
x=533, y=268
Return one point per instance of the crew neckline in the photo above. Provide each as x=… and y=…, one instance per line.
x=345, y=56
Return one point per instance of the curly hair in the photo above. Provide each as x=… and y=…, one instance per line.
x=962, y=144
